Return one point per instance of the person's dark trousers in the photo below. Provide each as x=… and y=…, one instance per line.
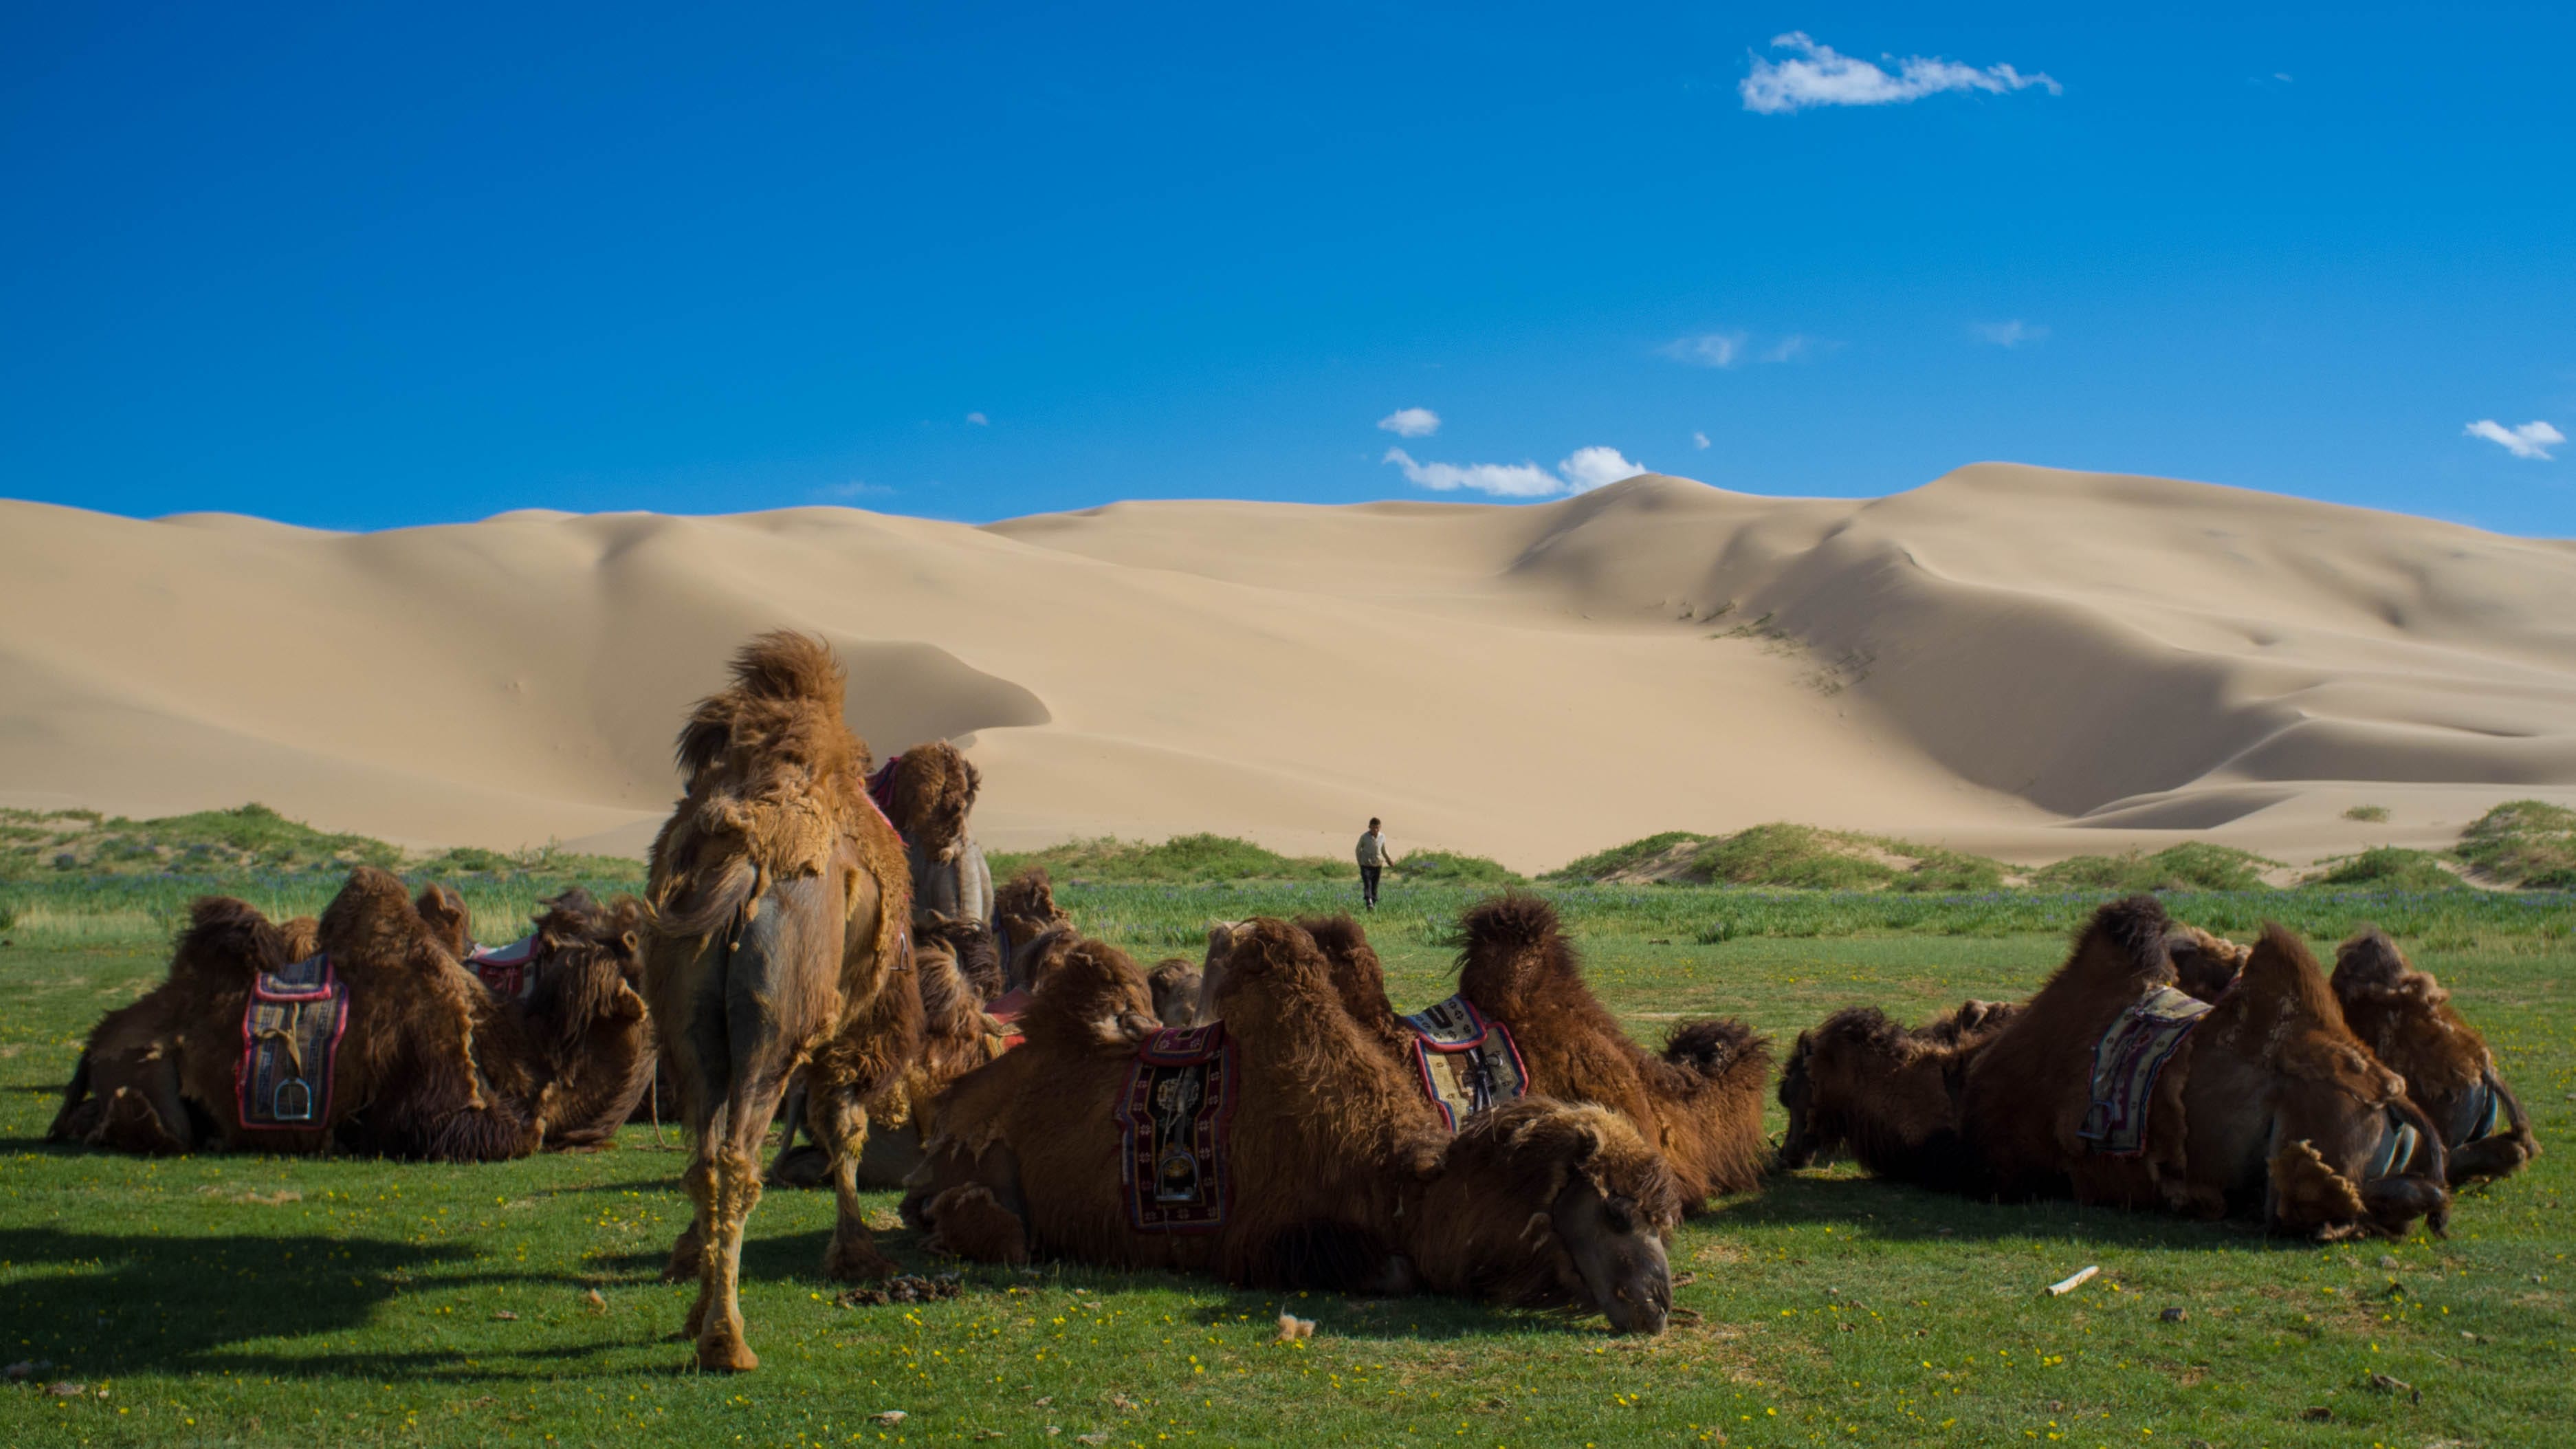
x=1368, y=885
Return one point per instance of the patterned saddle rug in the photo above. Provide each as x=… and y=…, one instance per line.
x=1172, y=1126
x=1466, y=1063
x=505, y=968
x=290, y=1042
x=1007, y=1009
x=2127, y=1061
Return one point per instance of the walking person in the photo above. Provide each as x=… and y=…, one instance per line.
x=1374, y=858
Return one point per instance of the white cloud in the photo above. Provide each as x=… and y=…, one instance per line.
x=1411, y=422
x=1582, y=471
x=1709, y=349
x=1589, y=468
x=978, y=419
x=2532, y=440
x=1791, y=348
x=2010, y=334
x=844, y=492
x=1821, y=76
x=1699, y=441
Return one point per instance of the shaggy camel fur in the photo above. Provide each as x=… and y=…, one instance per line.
x=1030, y=924
x=2205, y=965
x=781, y=905
x=1861, y=1084
x=2406, y=1019
x=1344, y=1177
x=1176, y=985
x=955, y=973
x=933, y=791
x=2269, y=1100
x=1700, y=1102
x=431, y=1065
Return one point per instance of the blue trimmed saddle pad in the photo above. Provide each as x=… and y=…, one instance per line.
x=290, y=1040
x=1465, y=1062
x=1172, y=1125
x=2127, y=1061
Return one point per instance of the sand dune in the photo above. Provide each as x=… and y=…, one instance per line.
x=2016, y=660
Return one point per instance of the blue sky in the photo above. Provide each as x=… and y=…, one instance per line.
x=365, y=265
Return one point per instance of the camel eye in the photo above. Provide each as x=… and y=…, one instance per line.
x=1622, y=1215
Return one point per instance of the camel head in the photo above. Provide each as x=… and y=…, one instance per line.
x=584, y=974
x=1601, y=1204
x=2204, y=965
x=934, y=790
x=1176, y=985
x=1093, y=996
x=1799, y=1145
x=443, y=910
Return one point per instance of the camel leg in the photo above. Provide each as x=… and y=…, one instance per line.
x=726, y=1180
x=853, y=1252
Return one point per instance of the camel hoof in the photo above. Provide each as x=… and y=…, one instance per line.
x=855, y=1260
x=726, y=1354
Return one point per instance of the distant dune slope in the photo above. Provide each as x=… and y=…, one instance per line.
x=2018, y=660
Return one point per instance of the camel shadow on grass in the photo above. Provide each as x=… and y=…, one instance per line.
x=103, y=1304
x=1899, y=1212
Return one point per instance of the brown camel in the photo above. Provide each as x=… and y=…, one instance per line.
x=429, y=1064
x=2406, y=1019
x=1030, y=924
x=781, y=904
x=928, y=791
x=1700, y=1102
x=2205, y=965
x=1176, y=986
x=2268, y=1102
x=1342, y=1174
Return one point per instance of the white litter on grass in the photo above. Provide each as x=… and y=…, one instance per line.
x=2070, y=1283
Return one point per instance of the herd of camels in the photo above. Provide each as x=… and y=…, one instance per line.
x=821, y=935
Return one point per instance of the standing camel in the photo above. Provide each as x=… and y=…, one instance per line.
x=780, y=902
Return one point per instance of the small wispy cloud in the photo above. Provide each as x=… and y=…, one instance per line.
x=844, y=492
x=1819, y=75
x=1411, y=422
x=1700, y=441
x=978, y=420
x=1793, y=348
x=2010, y=334
x=2533, y=439
x=1581, y=471
x=1709, y=349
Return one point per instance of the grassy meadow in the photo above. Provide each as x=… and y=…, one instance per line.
x=249, y=1300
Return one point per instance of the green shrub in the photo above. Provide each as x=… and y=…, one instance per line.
x=2528, y=843
x=2388, y=867
x=1450, y=868
x=2191, y=866
x=2374, y=814
x=1181, y=859
x=1781, y=854
x=1603, y=864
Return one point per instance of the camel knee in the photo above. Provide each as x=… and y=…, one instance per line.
x=973, y=1225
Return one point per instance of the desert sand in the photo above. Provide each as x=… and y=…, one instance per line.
x=2020, y=661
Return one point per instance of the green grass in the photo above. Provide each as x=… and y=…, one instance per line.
x=2524, y=843
x=1450, y=868
x=247, y=1300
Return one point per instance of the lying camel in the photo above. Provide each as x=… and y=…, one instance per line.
x=1030, y=923
x=2268, y=1105
x=1341, y=1174
x=2406, y=1019
x=1700, y=1102
x=429, y=1063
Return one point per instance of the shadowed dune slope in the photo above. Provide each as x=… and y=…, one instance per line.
x=2018, y=660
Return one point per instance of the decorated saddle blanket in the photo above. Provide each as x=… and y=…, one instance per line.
x=881, y=791
x=1465, y=1062
x=1007, y=1009
x=505, y=968
x=2127, y=1061
x=1173, y=1163
x=290, y=1041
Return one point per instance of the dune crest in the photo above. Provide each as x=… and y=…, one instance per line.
x=2022, y=661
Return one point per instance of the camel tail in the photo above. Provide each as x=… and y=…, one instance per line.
x=711, y=906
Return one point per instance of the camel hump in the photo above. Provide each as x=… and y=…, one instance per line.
x=228, y=938
x=372, y=918
x=786, y=665
x=1339, y=936
x=2370, y=967
x=2282, y=982
x=2128, y=936
x=1515, y=948
x=1716, y=1049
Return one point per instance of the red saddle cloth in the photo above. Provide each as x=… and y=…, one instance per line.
x=291, y=1031
x=2126, y=1062
x=1464, y=1062
x=881, y=792
x=505, y=968
x=1172, y=1128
